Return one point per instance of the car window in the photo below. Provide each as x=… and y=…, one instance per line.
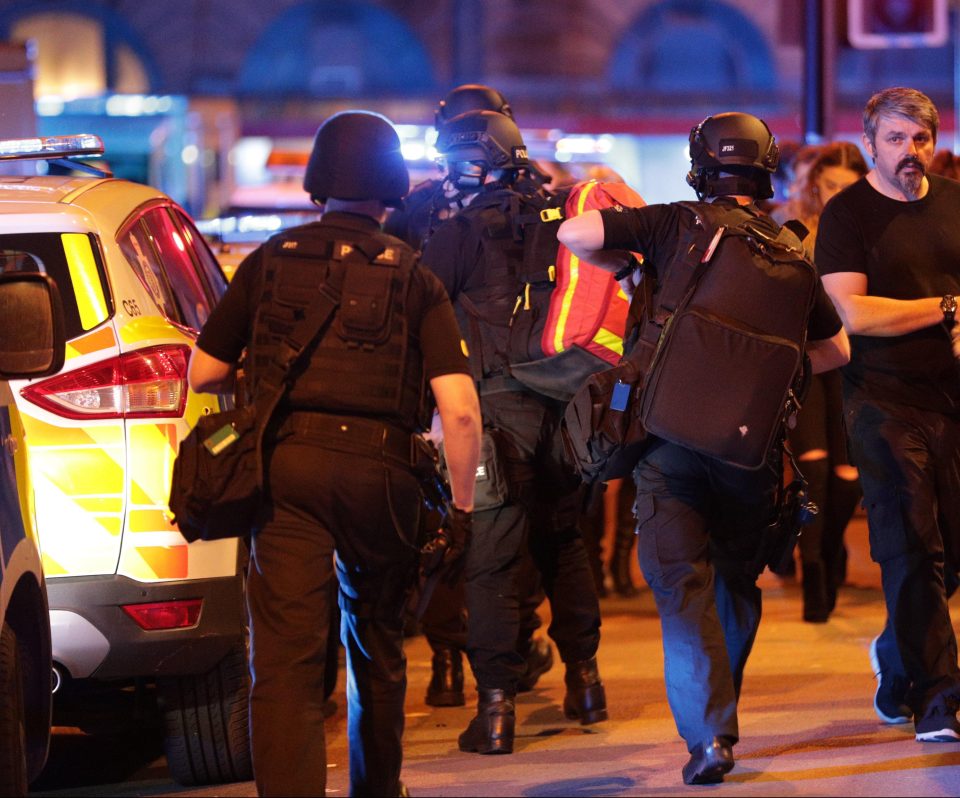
x=209, y=268
x=140, y=254
x=180, y=269
x=73, y=260
x=159, y=252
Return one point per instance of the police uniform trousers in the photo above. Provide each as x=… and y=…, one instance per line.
x=444, y=621
x=541, y=512
x=364, y=507
x=701, y=525
x=909, y=461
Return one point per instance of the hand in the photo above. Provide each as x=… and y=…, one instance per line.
x=457, y=528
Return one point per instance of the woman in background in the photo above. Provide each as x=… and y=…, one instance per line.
x=819, y=441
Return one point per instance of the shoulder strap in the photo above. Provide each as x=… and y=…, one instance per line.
x=694, y=251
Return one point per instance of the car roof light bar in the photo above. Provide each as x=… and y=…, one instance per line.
x=57, y=150
x=49, y=147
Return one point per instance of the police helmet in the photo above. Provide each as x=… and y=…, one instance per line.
x=470, y=97
x=356, y=156
x=736, y=144
x=487, y=137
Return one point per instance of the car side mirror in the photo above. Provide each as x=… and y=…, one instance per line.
x=32, y=336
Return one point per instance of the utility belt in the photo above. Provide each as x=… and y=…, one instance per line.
x=357, y=435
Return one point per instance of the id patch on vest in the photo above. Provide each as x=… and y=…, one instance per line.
x=389, y=257
x=221, y=439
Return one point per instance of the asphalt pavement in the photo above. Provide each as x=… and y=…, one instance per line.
x=807, y=723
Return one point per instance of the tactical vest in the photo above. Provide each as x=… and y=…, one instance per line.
x=503, y=307
x=366, y=362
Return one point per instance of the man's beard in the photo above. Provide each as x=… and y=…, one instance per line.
x=910, y=181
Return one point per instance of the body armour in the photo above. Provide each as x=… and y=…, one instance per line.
x=503, y=306
x=366, y=362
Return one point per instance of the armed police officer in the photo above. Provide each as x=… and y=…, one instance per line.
x=340, y=457
x=428, y=205
x=433, y=201
x=531, y=495
x=701, y=521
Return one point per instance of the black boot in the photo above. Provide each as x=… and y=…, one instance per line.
x=586, y=699
x=620, y=564
x=816, y=606
x=538, y=658
x=491, y=731
x=446, y=685
x=709, y=762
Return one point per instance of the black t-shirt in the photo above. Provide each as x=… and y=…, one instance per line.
x=430, y=315
x=907, y=250
x=654, y=231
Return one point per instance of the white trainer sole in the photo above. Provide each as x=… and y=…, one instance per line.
x=893, y=720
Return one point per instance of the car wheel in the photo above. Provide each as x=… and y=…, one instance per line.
x=207, y=737
x=13, y=738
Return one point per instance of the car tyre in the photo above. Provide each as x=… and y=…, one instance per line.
x=13, y=736
x=207, y=736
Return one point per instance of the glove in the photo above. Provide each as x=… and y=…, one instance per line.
x=447, y=548
x=457, y=529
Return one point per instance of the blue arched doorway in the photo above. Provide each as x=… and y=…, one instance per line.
x=329, y=49
x=687, y=49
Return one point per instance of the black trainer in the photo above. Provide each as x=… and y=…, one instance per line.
x=938, y=726
x=889, y=701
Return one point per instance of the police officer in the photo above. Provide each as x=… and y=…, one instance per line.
x=444, y=619
x=701, y=521
x=339, y=457
x=433, y=201
x=482, y=273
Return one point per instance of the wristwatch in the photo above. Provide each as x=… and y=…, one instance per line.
x=948, y=306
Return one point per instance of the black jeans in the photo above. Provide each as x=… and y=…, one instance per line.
x=367, y=511
x=541, y=513
x=909, y=461
x=700, y=524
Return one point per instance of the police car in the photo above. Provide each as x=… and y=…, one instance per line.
x=31, y=345
x=128, y=597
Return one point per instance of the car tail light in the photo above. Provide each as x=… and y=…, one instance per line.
x=145, y=383
x=165, y=614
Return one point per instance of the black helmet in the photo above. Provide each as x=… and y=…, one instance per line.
x=736, y=144
x=483, y=136
x=470, y=97
x=356, y=156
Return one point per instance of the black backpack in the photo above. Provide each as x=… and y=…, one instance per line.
x=716, y=363
x=506, y=317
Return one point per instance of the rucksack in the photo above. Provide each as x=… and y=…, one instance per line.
x=718, y=360
x=542, y=316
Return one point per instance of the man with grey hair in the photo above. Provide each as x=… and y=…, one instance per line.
x=888, y=250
